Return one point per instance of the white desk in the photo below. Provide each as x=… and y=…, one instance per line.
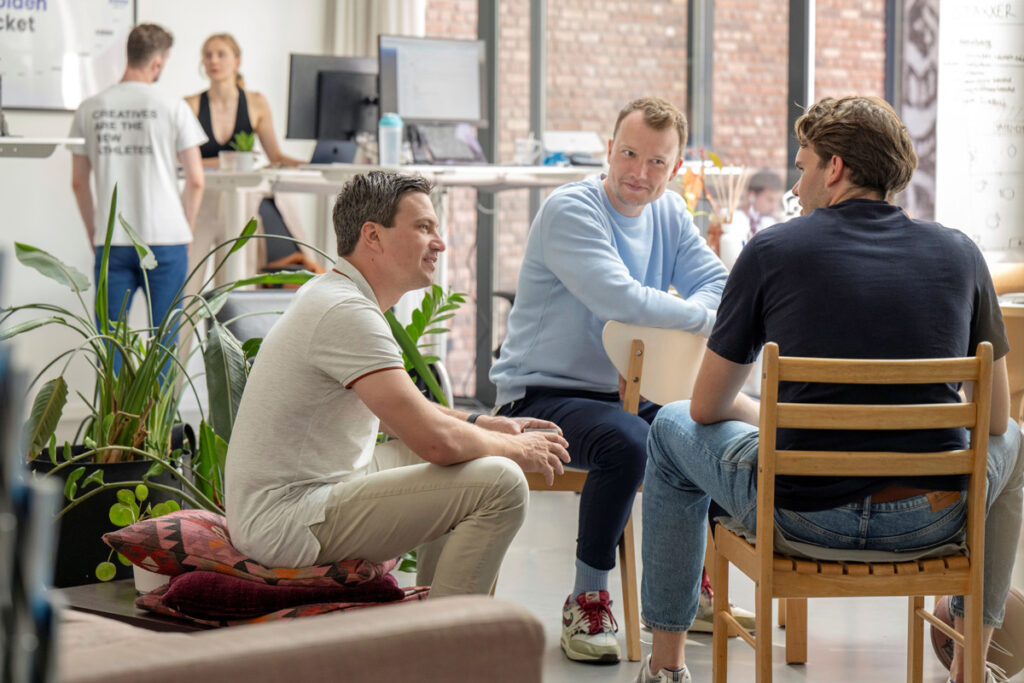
x=33, y=148
x=327, y=179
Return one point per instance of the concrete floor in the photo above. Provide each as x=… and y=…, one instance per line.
x=861, y=639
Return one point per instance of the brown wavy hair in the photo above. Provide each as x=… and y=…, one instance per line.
x=867, y=135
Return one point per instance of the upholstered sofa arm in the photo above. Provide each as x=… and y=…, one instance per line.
x=447, y=639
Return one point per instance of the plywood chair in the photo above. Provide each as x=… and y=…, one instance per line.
x=671, y=358
x=785, y=576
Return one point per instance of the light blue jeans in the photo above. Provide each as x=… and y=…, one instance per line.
x=689, y=464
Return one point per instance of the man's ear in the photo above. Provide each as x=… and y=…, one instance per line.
x=675, y=169
x=369, y=234
x=835, y=168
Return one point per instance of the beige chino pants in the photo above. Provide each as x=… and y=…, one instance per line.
x=461, y=518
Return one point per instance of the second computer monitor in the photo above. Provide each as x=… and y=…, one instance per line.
x=331, y=97
x=433, y=80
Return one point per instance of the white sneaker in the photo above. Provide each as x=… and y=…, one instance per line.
x=588, y=628
x=705, y=620
x=993, y=674
x=663, y=675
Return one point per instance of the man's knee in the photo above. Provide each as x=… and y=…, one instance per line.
x=670, y=424
x=506, y=480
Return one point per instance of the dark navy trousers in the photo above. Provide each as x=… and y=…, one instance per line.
x=610, y=444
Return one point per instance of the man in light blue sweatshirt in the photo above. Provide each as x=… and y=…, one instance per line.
x=605, y=248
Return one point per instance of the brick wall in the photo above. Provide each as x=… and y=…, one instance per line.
x=602, y=53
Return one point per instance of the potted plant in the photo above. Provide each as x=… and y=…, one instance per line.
x=138, y=385
x=242, y=158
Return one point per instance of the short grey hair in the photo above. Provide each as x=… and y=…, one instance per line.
x=374, y=197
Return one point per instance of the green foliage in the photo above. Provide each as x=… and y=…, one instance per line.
x=437, y=307
x=243, y=142
x=126, y=511
x=132, y=409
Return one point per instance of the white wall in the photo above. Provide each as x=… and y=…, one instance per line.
x=36, y=204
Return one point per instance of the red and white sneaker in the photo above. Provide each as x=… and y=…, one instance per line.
x=588, y=628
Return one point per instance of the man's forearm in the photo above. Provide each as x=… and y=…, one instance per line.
x=190, y=201
x=83, y=198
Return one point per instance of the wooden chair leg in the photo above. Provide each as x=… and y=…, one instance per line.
x=796, y=630
x=915, y=640
x=763, y=635
x=782, y=612
x=630, y=601
x=719, y=569
x=974, y=658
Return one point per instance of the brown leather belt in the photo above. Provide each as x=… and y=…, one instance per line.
x=895, y=492
x=939, y=500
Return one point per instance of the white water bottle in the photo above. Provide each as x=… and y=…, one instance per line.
x=389, y=139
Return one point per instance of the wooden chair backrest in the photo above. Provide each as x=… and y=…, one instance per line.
x=972, y=415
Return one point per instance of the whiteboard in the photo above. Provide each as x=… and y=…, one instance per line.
x=55, y=53
x=980, y=123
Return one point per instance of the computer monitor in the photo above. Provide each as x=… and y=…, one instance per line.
x=331, y=97
x=433, y=80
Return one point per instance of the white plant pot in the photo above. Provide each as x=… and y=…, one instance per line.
x=237, y=161
x=147, y=581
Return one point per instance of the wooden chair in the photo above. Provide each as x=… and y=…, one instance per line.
x=784, y=576
x=672, y=358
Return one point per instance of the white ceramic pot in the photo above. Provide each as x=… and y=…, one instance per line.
x=147, y=581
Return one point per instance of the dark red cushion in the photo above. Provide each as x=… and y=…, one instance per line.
x=209, y=595
x=198, y=539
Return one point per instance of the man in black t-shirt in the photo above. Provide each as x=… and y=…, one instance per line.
x=853, y=277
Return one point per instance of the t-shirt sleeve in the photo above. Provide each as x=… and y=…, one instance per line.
x=739, y=331
x=190, y=133
x=987, y=320
x=352, y=341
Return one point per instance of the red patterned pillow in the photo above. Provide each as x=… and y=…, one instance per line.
x=198, y=539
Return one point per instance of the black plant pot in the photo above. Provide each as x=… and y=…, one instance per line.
x=80, y=545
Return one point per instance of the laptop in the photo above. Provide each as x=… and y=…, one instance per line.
x=334, y=152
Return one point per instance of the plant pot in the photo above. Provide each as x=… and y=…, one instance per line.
x=237, y=161
x=80, y=545
x=147, y=581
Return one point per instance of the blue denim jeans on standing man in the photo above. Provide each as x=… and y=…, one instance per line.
x=125, y=276
x=689, y=464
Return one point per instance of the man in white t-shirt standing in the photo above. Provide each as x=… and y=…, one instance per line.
x=303, y=484
x=135, y=137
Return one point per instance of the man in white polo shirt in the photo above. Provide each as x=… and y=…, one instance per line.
x=302, y=486
x=135, y=137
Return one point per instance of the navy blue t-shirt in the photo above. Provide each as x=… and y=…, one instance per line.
x=859, y=279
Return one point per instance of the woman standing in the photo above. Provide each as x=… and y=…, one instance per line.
x=227, y=108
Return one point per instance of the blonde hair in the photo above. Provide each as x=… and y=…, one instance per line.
x=232, y=44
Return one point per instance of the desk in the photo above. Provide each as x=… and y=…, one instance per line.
x=33, y=148
x=327, y=179
x=1012, y=307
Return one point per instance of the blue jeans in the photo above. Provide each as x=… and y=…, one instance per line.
x=611, y=445
x=688, y=464
x=125, y=276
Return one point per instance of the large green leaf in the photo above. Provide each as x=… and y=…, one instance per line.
x=46, y=412
x=52, y=267
x=413, y=355
x=225, y=377
x=209, y=461
x=147, y=259
x=243, y=237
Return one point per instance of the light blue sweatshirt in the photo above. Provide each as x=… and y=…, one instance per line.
x=586, y=264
